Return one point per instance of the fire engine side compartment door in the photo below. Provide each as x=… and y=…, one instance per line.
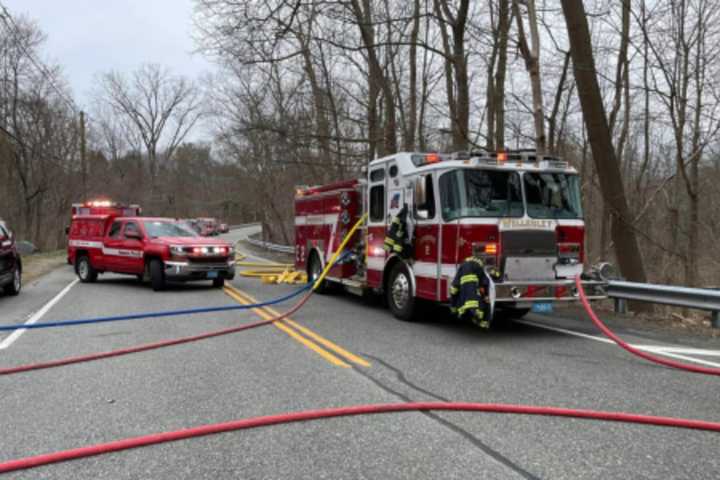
x=449, y=231
x=376, y=201
x=425, y=216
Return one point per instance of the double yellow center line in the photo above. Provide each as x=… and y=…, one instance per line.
x=334, y=354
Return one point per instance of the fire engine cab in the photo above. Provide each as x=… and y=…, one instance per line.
x=522, y=210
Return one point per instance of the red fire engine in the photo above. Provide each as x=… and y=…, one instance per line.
x=522, y=209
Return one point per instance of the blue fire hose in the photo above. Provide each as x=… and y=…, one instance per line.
x=139, y=316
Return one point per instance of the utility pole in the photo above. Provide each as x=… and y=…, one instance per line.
x=83, y=152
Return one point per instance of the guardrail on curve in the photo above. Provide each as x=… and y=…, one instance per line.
x=695, y=298
x=271, y=246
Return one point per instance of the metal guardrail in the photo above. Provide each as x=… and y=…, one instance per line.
x=271, y=246
x=242, y=225
x=695, y=298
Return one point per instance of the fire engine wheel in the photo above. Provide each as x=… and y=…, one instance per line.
x=13, y=288
x=399, y=293
x=314, y=271
x=85, y=272
x=157, y=275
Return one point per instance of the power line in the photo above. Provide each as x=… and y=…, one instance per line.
x=14, y=30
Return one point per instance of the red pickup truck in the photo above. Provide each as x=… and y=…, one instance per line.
x=153, y=249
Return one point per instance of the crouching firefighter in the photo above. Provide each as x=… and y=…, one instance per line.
x=469, y=290
x=397, y=238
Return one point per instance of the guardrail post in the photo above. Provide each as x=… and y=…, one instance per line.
x=715, y=319
x=620, y=306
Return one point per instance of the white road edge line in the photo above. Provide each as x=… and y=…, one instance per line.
x=657, y=349
x=36, y=316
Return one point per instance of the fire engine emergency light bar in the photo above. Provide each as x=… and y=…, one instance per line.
x=493, y=158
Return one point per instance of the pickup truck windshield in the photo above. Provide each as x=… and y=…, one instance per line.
x=552, y=195
x=480, y=193
x=156, y=229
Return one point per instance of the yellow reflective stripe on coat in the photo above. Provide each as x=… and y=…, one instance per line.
x=468, y=279
x=468, y=305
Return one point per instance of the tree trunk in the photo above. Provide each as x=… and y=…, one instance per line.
x=626, y=245
x=499, y=90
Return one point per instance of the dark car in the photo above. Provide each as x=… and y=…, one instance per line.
x=10, y=263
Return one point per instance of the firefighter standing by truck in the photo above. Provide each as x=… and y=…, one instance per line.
x=470, y=287
x=397, y=238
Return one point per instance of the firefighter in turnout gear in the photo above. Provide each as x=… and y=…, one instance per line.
x=468, y=293
x=397, y=238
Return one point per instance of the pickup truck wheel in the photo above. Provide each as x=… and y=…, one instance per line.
x=218, y=282
x=85, y=271
x=399, y=295
x=13, y=288
x=157, y=275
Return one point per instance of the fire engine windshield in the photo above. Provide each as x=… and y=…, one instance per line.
x=480, y=193
x=155, y=228
x=552, y=195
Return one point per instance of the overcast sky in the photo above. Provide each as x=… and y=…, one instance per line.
x=90, y=36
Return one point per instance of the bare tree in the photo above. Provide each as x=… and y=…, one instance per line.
x=456, y=69
x=531, y=54
x=160, y=108
x=627, y=249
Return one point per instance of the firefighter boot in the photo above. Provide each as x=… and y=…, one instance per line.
x=479, y=318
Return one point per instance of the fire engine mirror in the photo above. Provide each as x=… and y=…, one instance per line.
x=67, y=230
x=420, y=191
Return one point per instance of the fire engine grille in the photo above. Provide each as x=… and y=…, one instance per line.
x=529, y=243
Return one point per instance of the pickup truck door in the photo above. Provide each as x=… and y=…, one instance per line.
x=131, y=249
x=122, y=253
x=109, y=260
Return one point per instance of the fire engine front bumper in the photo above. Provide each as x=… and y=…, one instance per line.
x=188, y=271
x=546, y=291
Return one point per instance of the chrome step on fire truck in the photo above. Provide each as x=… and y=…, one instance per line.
x=522, y=209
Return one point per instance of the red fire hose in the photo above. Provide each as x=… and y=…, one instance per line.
x=36, y=461
x=652, y=358
x=151, y=346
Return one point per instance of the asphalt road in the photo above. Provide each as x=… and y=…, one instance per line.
x=372, y=358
